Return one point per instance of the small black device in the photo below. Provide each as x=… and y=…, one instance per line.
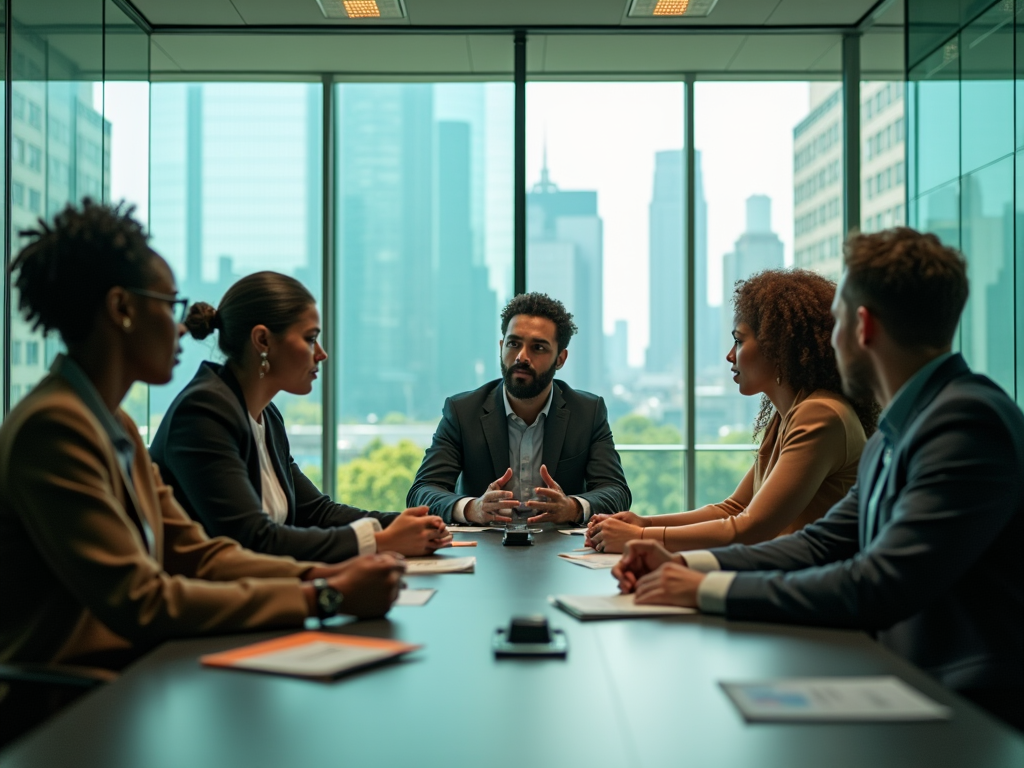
x=328, y=599
x=530, y=636
x=513, y=538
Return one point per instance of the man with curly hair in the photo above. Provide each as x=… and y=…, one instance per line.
x=524, y=441
x=925, y=549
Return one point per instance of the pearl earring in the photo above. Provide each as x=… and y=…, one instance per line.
x=264, y=365
x=126, y=323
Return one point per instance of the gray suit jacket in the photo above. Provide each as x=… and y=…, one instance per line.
x=470, y=451
x=941, y=578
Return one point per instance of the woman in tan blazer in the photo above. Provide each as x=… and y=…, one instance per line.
x=811, y=433
x=98, y=561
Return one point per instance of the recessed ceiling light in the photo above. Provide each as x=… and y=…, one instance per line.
x=362, y=9
x=646, y=9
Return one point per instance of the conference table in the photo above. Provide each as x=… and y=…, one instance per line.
x=633, y=692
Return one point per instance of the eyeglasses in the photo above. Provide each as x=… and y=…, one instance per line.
x=170, y=298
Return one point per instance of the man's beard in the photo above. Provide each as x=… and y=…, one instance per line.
x=530, y=389
x=858, y=379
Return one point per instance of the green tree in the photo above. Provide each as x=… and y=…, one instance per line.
x=380, y=477
x=655, y=477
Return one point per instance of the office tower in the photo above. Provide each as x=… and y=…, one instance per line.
x=60, y=153
x=666, y=274
x=467, y=309
x=566, y=261
x=386, y=338
x=215, y=216
x=818, y=225
x=617, y=352
x=756, y=250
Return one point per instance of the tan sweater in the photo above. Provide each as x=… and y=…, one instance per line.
x=806, y=462
x=79, y=583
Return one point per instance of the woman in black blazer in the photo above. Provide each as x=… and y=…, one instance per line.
x=223, y=447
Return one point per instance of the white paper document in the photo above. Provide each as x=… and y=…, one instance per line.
x=414, y=596
x=573, y=531
x=315, y=660
x=612, y=607
x=591, y=559
x=833, y=699
x=474, y=528
x=418, y=566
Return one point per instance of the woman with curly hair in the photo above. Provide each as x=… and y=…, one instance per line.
x=811, y=434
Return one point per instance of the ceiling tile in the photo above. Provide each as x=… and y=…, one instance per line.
x=300, y=12
x=189, y=12
x=782, y=53
x=827, y=12
x=536, y=13
x=639, y=53
x=491, y=53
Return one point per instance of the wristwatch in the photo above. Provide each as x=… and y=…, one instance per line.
x=328, y=599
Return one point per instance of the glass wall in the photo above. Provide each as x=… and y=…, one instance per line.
x=424, y=196
x=963, y=172
x=236, y=187
x=606, y=235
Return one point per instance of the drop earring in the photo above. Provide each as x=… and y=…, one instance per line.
x=264, y=365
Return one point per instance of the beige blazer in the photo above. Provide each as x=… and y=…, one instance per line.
x=806, y=462
x=80, y=583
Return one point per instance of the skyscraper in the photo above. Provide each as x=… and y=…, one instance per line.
x=667, y=260
x=566, y=261
x=756, y=250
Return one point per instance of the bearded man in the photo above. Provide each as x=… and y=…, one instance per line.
x=525, y=441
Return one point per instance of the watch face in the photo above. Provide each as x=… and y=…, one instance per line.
x=328, y=601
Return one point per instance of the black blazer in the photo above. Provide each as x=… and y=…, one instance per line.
x=470, y=450
x=942, y=579
x=206, y=452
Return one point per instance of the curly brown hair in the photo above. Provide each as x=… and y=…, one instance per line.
x=789, y=311
x=541, y=305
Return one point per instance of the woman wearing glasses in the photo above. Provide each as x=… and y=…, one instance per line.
x=811, y=434
x=223, y=447
x=98, y=561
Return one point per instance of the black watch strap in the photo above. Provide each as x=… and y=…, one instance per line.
x=328, y=599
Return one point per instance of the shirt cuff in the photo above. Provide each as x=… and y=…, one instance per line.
x=701, y=560
x=713, y=590
x=586, y=507
x=364, y=528
x=459, y=510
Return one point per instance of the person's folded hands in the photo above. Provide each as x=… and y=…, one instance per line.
x=639, y=559
x=670, y=584
x=612, y=534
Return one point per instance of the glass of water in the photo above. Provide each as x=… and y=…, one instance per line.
x=522, y=513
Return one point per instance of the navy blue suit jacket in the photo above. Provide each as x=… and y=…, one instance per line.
x=941, y=578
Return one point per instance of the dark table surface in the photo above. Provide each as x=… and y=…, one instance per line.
x=638, y=692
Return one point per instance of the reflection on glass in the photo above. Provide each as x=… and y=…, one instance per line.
x=935, y=89
x=988, y=246
x=236, y=186
x=986, y=90
x=424, y=243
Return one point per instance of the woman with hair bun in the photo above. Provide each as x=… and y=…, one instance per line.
x=223, y=445
x=98, y=561
x=811, y=434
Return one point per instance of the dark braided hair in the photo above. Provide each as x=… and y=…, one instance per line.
x=789, y=311
x=66, y=269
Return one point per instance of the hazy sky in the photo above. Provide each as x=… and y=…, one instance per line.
x=603, y=136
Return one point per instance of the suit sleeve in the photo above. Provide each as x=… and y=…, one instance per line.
x=65, y=492
x=435, y=481
x=203, y=454
x=962, y=487
x=607, y=491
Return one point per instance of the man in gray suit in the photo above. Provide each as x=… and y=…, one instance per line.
x=524, y=440
x=925, y=549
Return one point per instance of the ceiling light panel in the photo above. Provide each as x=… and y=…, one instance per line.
x=362, y=9
x=661, y=9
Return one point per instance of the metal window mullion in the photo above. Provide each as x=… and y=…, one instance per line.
x=8, y=98
x=329, y=321
x=689, y=299
x=519, y=160
x=851, y=132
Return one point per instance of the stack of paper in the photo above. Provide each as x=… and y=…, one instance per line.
x=833, y=699
x=414, y=597
x=418, y=566
x=612, y=607
x=317, y=655
x=588, y=558
x=573, y=531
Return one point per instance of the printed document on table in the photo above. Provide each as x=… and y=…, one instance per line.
x=591, y=559
x=319, y=655
x=474, y=528
x=418, y=566
x=414, y=596
x=833, y=699
x=612, y=607
x=573, y=531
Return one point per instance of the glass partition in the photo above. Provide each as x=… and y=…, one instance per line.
x=423, y=189
x=236, y=187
